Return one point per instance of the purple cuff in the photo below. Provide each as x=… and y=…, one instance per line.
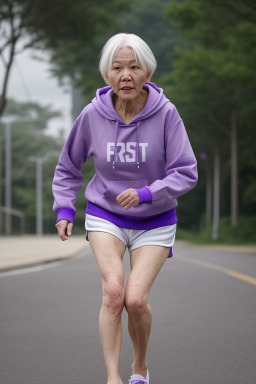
x=145, y=196
x=65, y=214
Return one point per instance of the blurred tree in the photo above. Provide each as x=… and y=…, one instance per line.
x=216, y=76
x=28, y=140
x=69, y=30
x=11, y=30
x=39, y=115
x=148, y=20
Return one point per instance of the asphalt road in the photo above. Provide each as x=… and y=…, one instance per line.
x=203, y=332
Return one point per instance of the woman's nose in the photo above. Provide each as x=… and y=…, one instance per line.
x=126, y=74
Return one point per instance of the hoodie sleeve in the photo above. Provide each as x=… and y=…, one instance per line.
x=68, y=179
x=181, y=166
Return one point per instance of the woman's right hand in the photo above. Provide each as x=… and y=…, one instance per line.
x=64, y=228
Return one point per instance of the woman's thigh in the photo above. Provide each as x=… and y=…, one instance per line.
x=146, y=262
x=108, y=251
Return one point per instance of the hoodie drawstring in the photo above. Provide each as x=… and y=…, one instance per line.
x=115, y=150
x=137, y=143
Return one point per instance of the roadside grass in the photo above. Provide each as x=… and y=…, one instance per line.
x=243, y=234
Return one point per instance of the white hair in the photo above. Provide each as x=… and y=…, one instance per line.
x=141, y=50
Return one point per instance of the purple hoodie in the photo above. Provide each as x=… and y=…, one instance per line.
x=151, y=154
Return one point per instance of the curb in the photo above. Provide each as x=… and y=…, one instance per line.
x=30, y=251
x=31, y=264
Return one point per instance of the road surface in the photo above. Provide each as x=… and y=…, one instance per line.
x=203, y=331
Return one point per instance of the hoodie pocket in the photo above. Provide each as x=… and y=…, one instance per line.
x=116, y=187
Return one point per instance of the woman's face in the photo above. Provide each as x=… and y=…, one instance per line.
x=126, y=76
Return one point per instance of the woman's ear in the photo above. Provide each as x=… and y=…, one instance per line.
x=149, y=75
x=106, y=78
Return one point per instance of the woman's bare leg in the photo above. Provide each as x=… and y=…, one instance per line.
x=146, y=263
x=109, y=251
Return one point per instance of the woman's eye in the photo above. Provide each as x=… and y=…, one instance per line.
x=116, y=68
x=134, y=67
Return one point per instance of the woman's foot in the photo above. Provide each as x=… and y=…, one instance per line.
x=139, y=379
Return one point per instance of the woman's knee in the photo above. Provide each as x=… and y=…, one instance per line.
x=113, y=295
x=135, y=304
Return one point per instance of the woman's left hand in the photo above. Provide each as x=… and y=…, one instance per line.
x=128, y=198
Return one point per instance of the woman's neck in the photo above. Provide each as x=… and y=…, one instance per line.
x=128, y=109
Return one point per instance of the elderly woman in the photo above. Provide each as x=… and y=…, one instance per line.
x=143, y=162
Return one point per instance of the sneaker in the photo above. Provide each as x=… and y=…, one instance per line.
x=138, y=379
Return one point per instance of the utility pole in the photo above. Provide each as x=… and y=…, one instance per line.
x=1, y=181
x=39, y=188
x=8, y=178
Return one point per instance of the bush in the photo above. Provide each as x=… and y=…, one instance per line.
x=243, y=233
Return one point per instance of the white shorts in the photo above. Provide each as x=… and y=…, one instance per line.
x=133, y=238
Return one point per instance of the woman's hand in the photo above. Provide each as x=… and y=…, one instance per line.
x=64, y=228
x=128, y=198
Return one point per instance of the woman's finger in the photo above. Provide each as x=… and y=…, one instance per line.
x=122, y=197
x=125, y=201
x=132, y=203
x=69, y=229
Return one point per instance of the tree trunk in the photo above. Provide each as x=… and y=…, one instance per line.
x=6, y=77
x=208, y=194
x=11, y=44
x=234, y=171
x=216, y=195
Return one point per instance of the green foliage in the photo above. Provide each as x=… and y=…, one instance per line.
x=206, y=57
x=74, y=32
x=223, y=37
x=148, y=20
x=243, y=234
x=39, y=115
x=213, y=76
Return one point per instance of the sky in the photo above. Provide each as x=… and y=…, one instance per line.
x=31, y=80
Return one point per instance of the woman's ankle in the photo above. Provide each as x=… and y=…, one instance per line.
x=140, y=369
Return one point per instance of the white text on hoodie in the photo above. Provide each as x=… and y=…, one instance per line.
x=126, y=151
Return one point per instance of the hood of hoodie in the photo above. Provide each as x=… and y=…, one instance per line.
x=104, y=105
